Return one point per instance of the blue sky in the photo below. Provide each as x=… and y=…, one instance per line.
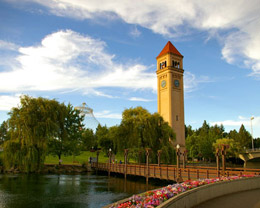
x=103, y=53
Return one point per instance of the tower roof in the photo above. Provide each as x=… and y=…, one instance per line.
x=169, y=48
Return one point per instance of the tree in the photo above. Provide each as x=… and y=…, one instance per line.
x=233, y=149
x=4, y=134
x=188, y=131
x=66, y=140
x=102, y=135
x=30, y=126
x=88, y=140
x=199, y=142
x=139, y=130
x=243, y=138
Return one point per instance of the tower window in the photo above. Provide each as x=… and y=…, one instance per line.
x=163, y=64
x=177, y=118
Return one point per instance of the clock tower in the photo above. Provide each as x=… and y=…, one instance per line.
x=170, y=90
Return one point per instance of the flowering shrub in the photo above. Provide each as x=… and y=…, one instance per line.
x=154, y=198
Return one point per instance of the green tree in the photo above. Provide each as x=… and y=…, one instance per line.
x=66, y=140
x=139, y=130
x=103, y=139
x=4, y=134
x=199, y=142
x=188, y=131
x=233, y=149
x=88, y=140
x=30, y=126
x=244, y=137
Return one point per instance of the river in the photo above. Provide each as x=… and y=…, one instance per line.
x=66, y=191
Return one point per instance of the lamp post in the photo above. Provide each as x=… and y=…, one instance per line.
x=125, y=169
x=223, y=153
x=147, y=150
x=252, y=118
x=159, y=152
x=179, y=179
x=217, y=160
x=109, y=154
x=184, y=158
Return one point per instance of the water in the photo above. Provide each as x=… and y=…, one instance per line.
x=66, y=191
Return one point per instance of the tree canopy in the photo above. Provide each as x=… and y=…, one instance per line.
x=34, y=123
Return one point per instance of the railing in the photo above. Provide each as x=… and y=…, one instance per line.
x=170, y=172
x=253, y=150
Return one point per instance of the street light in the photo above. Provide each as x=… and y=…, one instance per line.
x=179, y=179
x=252, y=118
x=109, y=154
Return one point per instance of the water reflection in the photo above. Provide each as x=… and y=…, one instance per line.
x=74, y=191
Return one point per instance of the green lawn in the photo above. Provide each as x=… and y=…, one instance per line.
x=80, y=159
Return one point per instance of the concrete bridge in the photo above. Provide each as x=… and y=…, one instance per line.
x=251, y=158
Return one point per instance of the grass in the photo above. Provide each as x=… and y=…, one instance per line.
x=80, y=159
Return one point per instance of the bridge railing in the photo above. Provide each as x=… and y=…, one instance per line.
x=170, y=172
x=253, y=150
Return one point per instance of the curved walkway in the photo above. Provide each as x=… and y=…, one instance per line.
x=245, y=199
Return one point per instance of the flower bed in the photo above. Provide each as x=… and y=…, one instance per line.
x=156, y=197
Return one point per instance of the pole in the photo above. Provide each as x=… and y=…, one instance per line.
x=184, y=158
x=217, y=161
x=252, y=118
x=159, y=157
x=223, y=152
x=97, y=161
x=125, y=169
x=179, y=179
x=109, y=154
x=147, y=164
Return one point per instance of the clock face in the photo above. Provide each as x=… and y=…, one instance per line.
x=176, y=83
x=163, y=83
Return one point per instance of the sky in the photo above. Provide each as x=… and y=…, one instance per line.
x=104, y=53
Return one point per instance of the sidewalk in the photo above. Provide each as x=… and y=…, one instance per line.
x=245, y=199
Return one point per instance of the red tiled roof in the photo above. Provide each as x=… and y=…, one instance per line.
x=169, y=48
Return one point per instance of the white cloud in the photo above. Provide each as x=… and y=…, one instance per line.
x=191, y=81
x=108, y=114
x=237, y=22
x=9, y=101
x=5, y=45
x=241, y=120
x=66, y=60
x=135, y=32
x=139, y=99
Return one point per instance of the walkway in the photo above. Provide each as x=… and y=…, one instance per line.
x=245, y=199
x=170, y=172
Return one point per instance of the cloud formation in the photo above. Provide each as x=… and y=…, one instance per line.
x=66, y=60
x=9, y=101
x=108, y=114
x=236, y=23
x=139, y=99
x=241, y=120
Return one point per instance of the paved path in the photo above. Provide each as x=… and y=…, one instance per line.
x=245, y=199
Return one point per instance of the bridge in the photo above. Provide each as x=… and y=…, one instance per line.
x=171, y=172
x=251, y=158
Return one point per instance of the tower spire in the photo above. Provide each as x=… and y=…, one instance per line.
x=169, y=48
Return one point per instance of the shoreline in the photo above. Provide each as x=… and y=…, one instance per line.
x=54, y=168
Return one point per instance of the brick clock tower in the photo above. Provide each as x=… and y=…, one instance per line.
x=170, y=90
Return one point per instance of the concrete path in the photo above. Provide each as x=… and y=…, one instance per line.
x=245, y=199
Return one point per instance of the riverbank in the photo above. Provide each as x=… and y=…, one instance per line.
x=56, y=169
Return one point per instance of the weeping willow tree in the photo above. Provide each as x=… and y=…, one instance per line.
x=140, y=129
x=30, y=126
